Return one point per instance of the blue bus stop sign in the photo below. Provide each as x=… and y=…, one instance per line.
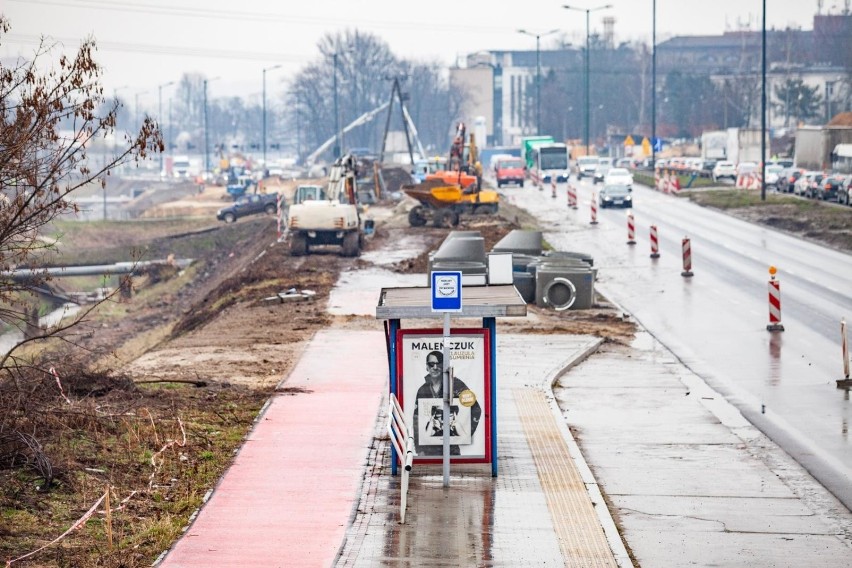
x=446, y=291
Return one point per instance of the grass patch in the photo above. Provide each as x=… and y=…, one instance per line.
x=739, y=198
x=646, y=178
x=106, y=443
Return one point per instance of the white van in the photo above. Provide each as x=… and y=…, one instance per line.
x=181, y=166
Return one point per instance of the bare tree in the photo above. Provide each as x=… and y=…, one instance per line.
x=365, y=69
x=50, y=117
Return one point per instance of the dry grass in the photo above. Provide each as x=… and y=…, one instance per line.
x=155, y=449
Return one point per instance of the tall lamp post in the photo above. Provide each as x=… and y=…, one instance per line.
x=206, y=139
x=763, y=106
x=338, y=136
x=537, y=37
x=264, y=109
x=336, y=116
x=654, y=85
x=136, y=121
x=114, y=134
x=160, y=111
x=586, y=70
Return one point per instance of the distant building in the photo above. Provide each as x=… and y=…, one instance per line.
x=501, y=84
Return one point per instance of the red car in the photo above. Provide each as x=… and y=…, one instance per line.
x=510, y=171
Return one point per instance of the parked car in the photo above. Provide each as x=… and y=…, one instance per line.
x=806, y=185
x=509, y=170
x=787, y=178
x=604, y=165
x=829, y=187
x=772, y=175
x=844, y=196
x=705, y=168
x=724, y=169
x=783, y=162
x=249, y=204
x=615, y=195
x=618, y=176
x=745, y=168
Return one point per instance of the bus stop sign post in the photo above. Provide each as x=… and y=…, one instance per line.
x=446, y=297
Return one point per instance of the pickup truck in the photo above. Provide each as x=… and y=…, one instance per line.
x=250, y=204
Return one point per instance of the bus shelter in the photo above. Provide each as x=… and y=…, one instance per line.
x=414, y=351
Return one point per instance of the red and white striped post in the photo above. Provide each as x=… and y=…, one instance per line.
x=572, y=196
x=845, y=349
x=279, y=214
x=655, y=246
x=774, y=302
x=631, y=230
x=553, y=187
x=845, y=382
x=594, y=220
x=687, y=257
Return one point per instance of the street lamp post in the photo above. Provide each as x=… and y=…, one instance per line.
x=763, y=106
x=137, y=123
x=206, y=139
x=654, y=86
x=586, y=70
x=114, y=134
x=264, y=109
x=537, y=37
x=160, y=111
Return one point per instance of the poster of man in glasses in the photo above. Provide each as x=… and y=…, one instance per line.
x=422, y=392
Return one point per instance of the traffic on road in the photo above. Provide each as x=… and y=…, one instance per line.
x=785, y=383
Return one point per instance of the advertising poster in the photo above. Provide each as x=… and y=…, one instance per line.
x=420, y=392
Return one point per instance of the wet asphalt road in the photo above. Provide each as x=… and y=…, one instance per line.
x=715, y=322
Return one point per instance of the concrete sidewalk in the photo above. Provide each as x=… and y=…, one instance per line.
x=691, y=481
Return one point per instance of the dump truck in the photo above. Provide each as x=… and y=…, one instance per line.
x=446, y=194
x=330, y=217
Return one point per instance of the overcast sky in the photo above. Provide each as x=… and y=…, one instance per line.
x=144, y=44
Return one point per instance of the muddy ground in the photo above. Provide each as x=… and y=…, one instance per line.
x=221, y=321
x=226, y=324
x=221, y=326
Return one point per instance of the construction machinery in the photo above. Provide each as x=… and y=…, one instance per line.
x=446, y=194
x=331, y=217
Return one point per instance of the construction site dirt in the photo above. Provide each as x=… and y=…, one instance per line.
x=237, y=319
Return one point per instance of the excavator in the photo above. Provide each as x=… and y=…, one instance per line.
x=456, y=190
x=330, y=217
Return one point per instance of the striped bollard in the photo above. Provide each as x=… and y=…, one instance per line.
x=845, y=346
x=774, y=302
x=594, y=220
x=572, y=197
x=655, y=247
x=845, y=382
x=687, y=257
x=553, y=187
x=631, y=230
